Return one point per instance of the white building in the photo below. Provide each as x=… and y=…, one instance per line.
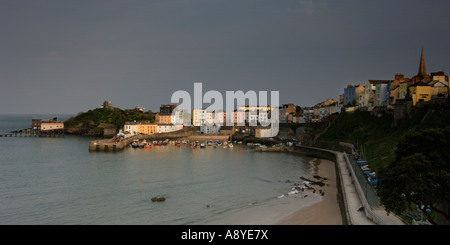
x=131, y=127
x=181, y=117
x=210, y=129
x=263, y=117
x=45, y=126
x=166, y=128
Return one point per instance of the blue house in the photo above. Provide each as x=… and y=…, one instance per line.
x=349, y=95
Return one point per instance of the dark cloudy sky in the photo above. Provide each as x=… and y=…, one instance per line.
x=59, y=56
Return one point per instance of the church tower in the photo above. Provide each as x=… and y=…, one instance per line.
x=422, y=70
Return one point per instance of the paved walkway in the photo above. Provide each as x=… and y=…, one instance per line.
x=354, y=202
x=351, y=195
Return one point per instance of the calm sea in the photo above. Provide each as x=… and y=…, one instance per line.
x=58, y=181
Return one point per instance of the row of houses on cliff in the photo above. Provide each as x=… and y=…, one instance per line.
x=386, y=93
x=383, y=94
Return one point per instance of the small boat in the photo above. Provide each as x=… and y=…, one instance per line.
x=142, y=144
x=148, y=146
x=135, y=144
x=202, y=145
x=230, y=145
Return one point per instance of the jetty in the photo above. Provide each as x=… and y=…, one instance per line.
x=40, y=128
x=29, y=132
x=110, y=144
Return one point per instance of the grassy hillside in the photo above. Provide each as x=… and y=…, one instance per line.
x=376, y=136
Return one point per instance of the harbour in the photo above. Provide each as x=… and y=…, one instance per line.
x=58, y=181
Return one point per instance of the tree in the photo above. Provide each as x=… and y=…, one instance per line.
x=419, y=178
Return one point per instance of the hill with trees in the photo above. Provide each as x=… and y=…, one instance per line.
x=411, y=157
x=95, y=122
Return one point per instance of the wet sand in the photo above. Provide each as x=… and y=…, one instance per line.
x=304, y=208
x=325, y=212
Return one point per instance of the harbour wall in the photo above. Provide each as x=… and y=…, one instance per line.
x=185, y=134
x=377, y=215
x=333, y=156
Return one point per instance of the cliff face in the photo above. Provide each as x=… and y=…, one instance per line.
x=75, y=129
x=91, y=129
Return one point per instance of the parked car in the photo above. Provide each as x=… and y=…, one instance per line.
x=373, y=180
x=364, y=168
x=363, y=163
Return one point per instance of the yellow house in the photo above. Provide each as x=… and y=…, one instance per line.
x=163, y=118
x=147, y=128
x=420, y=92
x=198, y=117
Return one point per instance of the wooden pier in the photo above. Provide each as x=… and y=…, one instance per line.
x=29, y=132
x=40, y=127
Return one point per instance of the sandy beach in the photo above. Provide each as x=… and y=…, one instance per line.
x=325, y=212
x=304, y=208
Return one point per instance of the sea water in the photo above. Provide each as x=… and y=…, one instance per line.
x=57, y=180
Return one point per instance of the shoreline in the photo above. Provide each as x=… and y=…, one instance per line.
x=325, y=212
x=304, y=208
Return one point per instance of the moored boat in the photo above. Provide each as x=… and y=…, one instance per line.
x=142, y=144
